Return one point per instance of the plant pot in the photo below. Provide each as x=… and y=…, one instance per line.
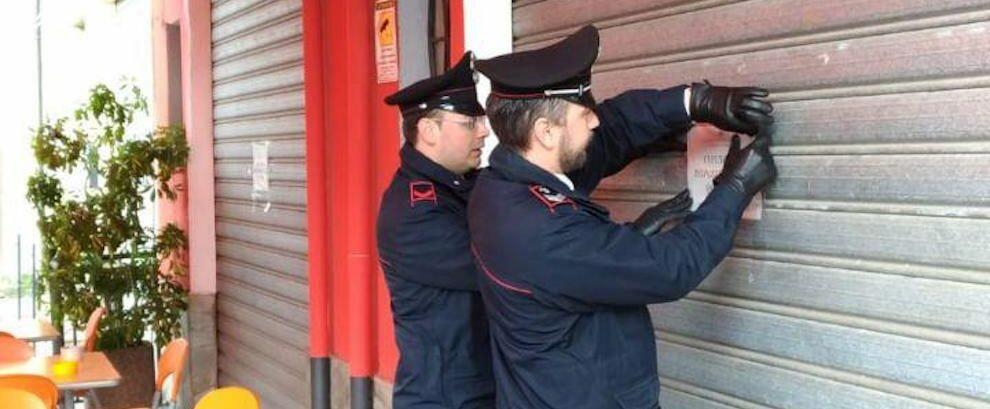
x=136, y=366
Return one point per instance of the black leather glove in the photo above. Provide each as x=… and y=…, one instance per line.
x=656, y=216
x=733, y=109
x=750, y=169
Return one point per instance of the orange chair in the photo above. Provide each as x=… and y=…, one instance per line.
x=92, y=329
x=90, y=335
x=13, y=349
x=231, y=397
x=40, y=386
x=18, y=399
x=171, y=364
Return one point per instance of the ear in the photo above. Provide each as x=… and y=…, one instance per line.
x=429, y=131
x=544, y=134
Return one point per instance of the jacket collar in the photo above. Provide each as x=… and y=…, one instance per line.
x=514, y=167
x=414, y=162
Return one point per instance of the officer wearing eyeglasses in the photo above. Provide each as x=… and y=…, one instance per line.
x=423, y=245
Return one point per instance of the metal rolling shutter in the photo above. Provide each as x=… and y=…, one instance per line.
x=262, y=300
x=866, y=283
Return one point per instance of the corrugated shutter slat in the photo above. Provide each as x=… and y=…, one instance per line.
x=864, y=286
x=262, y=301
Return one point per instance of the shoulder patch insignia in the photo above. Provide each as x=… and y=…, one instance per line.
x=550, y=198
x=422, y=191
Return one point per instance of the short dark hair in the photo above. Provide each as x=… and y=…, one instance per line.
x=512, y=120
x=410, y=124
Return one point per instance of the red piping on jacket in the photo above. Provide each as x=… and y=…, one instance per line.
x=494, y=278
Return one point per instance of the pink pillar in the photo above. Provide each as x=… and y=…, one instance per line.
x=169, y=211
x=192, y=18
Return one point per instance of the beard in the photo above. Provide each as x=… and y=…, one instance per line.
x=572, y=157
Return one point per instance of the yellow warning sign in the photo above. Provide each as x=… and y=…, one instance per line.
x=386, y=56
x=386, y=29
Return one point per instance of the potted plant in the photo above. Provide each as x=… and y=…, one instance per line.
x=96, y=173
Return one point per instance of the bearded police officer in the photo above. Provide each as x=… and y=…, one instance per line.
x=565, y=287
x=440, y=324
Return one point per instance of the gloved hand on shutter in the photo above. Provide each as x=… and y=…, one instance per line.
x=733, y=109
x=750, y=169
x=653, y=218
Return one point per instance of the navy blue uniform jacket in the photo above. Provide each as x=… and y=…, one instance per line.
x=440, y=324
x=565, y=287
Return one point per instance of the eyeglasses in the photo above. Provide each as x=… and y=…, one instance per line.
x=471, y=124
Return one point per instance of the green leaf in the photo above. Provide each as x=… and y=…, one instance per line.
x=95, y=251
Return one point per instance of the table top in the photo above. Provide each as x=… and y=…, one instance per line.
x=31, y=330
x=95, y=371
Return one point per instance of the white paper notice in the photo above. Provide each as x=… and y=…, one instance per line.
x=259, y=176
x=706, y=150
x=259, y=166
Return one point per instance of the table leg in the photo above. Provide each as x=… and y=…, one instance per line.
x=95, y=400
x=67, y=397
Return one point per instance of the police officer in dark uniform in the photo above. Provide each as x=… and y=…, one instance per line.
x=440, y=324
x=565, y=287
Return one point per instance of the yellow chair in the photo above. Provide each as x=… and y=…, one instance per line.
x=17, y=399
x=40, y=386
x=231, y=397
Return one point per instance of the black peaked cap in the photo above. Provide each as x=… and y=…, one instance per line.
x=452, y=91
x=561, y=70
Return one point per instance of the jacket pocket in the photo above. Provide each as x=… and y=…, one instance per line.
x=644, y=394
x=467, y=380
x=419, y=375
